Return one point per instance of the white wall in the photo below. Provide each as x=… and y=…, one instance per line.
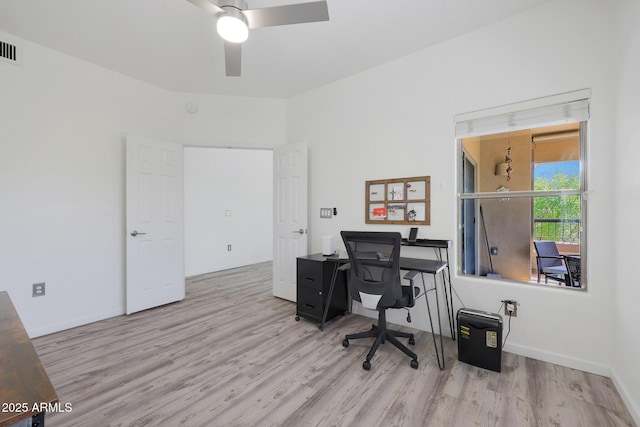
x=396, y=120
x=62, y=128
x=229, y=121
x=63, y=121
x=228, y=201
x=627, y=205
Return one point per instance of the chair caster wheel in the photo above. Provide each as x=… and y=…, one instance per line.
x=297, y=318
x=412, y=341
x=414, y=363
x=366, y=365
x=345, y=342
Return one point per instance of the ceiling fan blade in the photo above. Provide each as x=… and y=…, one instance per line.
x=232, y=58
x=208, y=7
x=288, y=14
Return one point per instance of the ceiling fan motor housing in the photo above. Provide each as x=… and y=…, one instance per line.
x=236, y=4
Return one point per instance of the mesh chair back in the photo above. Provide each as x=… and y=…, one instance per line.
x=374, y=278
x=548, y=255
x=574, y=269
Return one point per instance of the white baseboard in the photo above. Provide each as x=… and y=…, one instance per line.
x=545, y=356
x=50, y=329
x=632, y=404
x=559, y=359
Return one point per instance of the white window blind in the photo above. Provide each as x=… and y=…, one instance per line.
x=563, y=108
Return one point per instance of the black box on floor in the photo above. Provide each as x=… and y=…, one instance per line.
x=480, y=338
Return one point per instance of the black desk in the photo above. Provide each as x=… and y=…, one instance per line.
x=428, y=266
x=428, y=243
x=433, y=267
x=438, y=245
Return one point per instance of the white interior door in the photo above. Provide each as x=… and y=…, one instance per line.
x=289, y=216
x=155, y=229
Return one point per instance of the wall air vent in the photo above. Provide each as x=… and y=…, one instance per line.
x=10, y=53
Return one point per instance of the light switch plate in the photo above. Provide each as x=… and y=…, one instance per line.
x=326, y=212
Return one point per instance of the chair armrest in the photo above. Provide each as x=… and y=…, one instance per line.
x=410, y=276
x=344, y=267
x=551, y=256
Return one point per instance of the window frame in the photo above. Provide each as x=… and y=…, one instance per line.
x=582, y=192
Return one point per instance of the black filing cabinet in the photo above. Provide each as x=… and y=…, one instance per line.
x=314, y=274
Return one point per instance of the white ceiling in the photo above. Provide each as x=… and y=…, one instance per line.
x=173, y=44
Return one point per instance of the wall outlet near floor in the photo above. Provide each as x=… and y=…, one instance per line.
x=38, y=289
x=511, y=307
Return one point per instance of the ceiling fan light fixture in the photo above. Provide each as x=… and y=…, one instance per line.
x=232, y=26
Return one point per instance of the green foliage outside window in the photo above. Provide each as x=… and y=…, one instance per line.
x=565, y=209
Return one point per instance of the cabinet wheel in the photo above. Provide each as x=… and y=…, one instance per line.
x=297, y=318
x=345, y=342
x=412, y=341
x=414, y=363
x=367, y=365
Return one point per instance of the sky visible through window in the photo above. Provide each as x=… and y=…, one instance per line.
x=549, y=170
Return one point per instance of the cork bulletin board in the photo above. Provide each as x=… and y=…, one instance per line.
x=398, y=201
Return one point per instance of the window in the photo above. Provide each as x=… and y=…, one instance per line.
x=522, y=180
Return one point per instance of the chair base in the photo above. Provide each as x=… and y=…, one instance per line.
x=382, y=334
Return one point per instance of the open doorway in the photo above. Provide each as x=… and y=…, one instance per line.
x=228, y=208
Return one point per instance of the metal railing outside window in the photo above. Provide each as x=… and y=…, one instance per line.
x=559, y=230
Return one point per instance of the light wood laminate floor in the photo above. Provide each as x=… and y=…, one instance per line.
x=231, y=354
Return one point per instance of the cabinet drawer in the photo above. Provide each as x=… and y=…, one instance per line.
x=309, y=302
x=309, y=273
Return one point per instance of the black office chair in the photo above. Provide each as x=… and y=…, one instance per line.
x=374, y=280
x=549, y=261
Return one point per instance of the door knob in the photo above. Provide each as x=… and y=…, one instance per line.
x=135, y=233
x=301, y=231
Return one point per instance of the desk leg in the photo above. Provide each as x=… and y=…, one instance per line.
x=334, y=275
x=433, y=332
x=452, y=319
x=448, y=293
x=446, y=279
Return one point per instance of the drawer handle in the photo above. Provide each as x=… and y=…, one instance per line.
x=308, y=306
x=310, y=279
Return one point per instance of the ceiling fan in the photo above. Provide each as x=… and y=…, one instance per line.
x=234, y=21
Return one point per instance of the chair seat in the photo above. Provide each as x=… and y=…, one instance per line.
x=556, y=269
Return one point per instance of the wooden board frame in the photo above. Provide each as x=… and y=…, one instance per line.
x=403, y=201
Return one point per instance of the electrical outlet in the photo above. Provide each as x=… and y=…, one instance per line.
x=511, y=308
x=229, y=248
x=38, y=289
